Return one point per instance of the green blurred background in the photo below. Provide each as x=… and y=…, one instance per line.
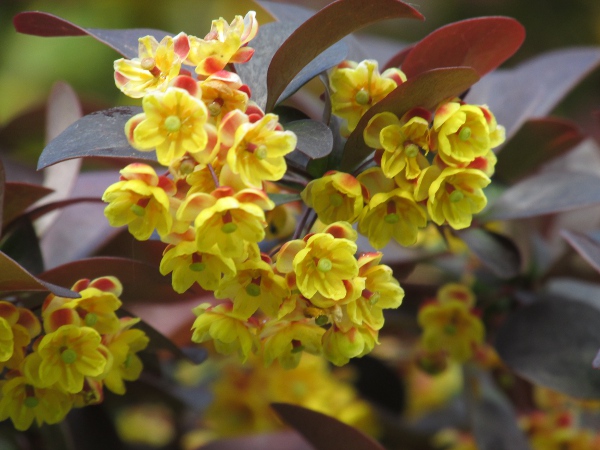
x=29, y=65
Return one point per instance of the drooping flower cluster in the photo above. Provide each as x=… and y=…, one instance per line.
x=83, y=348
x=451, y=324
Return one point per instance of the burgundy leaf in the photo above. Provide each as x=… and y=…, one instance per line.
x=587, y=247
x=14, y=277
x=425, y=90
x=321, y=31
x=142, y=282
x=2, y=192
x=43, y=24
x=482, y=43
x=322, y=431
x=20, y=196
x=536, y=143
x=535, y=87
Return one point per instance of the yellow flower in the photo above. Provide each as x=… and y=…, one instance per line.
x=190, y=266
x=229, y=221
x=221, y=94
x=123, y=346
x=8, y=317
x=451, y=326
x=455, y=195
x=254, y=286
x=336, y=196
x=95, y=308
x=322, y=263
x=173, y=122
x=286, y=341
x=256, y=149
x=231, y=332
x=357, y=87
x=141, y=200
x=462, y=133
x=156, y=65
x=341, y=345
x=395, y=214
x=68, y=355
x=24, y=403
x=224, y=44
x=18, y=326
x=402, y=144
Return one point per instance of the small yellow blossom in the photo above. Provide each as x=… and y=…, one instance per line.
x=403, y=144
x=462, y=133
x=256, y=150
x=286, y=341
x=336, y=196
x=451, y=325
x=221, y=94
x=231, y=332
x=23, y=403
x=392, y=215
x=68, y=355
x=341, y=345
x=455, y=195
x=190, y=266
x=226, y=219
x=224, y=44
x=123, y=346
x=141, y=200
x=357, y=87
x=173, y=122
x=156, y=65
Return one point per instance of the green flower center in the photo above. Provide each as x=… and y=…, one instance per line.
x=362, y=97
x=197, y=266
x=324, y=265
x=229, y=228
x=91, y=319
x=172, y=124
x=391, y=218
x=138, y=210
x=321, y=320
x=148, y=63
x=69, y=356
x=298, y=349
x=31, y=402
x=336, y=200
x=127, y=361
x=261, y=152
x=464, y=134
x=456, y=196
x=450, y=329
x=411, y=150
x=253, y=290
x=214, y=109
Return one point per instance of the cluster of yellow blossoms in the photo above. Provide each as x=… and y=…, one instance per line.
x=452, y=327
x=223, y=152
x=84, y=347
x=426, y=168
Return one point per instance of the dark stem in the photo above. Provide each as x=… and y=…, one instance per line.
x=214, y=175
x=363, y=166
x=302, y=223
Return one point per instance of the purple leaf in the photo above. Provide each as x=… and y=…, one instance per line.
x=48, y=25
x=321, y=31
x=587, y=247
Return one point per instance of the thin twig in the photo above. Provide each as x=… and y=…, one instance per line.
x=214, y=175
x=302, y=223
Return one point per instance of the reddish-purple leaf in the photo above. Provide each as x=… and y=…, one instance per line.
x=398, y=58
x=535, y=87
x=13, y=277
x=322, y=431
x=48, y=25
x=20, y=196
x=546, y=193
x=587, y=247
x=536, y=143
x=142, y=282
x=289, y=440
x=321, y=31
x=482, y=43
x=99, y=134
x=425, y=90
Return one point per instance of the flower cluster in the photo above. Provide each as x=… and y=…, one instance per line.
x=451, y=326
x=84, y=347
x=242, y=395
